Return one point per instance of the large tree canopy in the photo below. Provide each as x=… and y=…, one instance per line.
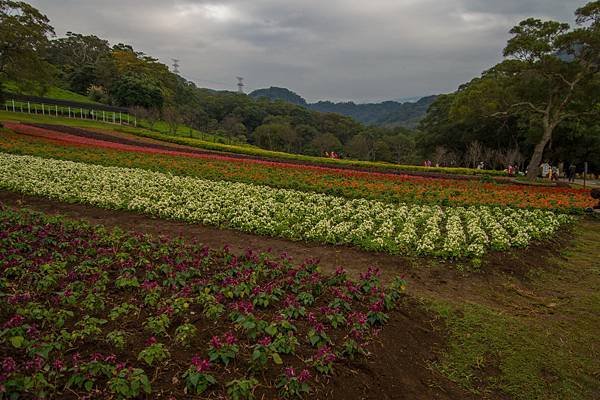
x=83, y=60
x=24, y=35
x=549, y=77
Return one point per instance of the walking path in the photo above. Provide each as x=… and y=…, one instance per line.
x=589, y=183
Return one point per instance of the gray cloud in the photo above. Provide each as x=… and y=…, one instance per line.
x=335, y=49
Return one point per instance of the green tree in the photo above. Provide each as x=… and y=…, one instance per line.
x=173, y=117
x=401, y=147
x=325, y=142
x=84, y=60
x=24, y=40
x=130, y=91
x=358, y=147
x=550, y=76
x=276, y=136
x=233, y=128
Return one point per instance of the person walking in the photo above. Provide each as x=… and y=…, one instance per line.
x=546, y=170
x=572, y=172
x=554, y=173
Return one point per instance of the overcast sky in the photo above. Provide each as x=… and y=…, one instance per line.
x=360, y=50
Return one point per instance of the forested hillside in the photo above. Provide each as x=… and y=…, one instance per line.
x=387, y=113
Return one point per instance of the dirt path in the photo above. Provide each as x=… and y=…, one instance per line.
x=425, y=277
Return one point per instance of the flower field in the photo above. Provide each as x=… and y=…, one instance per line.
x=389, y=188
x=91, y=313
x=296, y=215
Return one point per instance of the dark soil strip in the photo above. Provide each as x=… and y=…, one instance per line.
x=425, y=276
x=92, y=134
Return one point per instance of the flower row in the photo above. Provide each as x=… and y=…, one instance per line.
x=95, y=314
x=116, y=150
x=371, y=225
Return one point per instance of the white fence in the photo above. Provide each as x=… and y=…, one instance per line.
x=55, y=110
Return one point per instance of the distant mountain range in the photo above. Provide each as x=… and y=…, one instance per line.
x=387, y=113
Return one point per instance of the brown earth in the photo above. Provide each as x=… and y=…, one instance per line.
x=399, y=367
x=446, y=278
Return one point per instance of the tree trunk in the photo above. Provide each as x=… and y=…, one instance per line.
x=538, y=152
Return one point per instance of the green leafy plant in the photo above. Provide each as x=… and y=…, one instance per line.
x=241, y=389
x=129, y=383
x=291, y=384
x=116, y=338
x=122, y=310
x=261, y=353
x=154, y=353
x=223, y=350
x=158, y=324
x=185, y=333
x=197, y=379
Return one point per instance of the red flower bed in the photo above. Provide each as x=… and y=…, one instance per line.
x=94, y=314
x=342, y=182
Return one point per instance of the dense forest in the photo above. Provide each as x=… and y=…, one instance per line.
x=387, y=113
x=541, y=102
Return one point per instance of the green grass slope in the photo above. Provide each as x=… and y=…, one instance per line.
x=53, y=92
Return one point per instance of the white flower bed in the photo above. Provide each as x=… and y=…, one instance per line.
x=372, y=225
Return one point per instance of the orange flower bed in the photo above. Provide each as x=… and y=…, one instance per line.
x=343, y=182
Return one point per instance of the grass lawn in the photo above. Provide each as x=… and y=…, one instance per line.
x=539, y=338
x=52, y=93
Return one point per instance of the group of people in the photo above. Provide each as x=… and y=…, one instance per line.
x=512, y=170
x=332, y=154
x=553, y=172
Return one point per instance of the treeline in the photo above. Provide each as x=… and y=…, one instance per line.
x=503, y=140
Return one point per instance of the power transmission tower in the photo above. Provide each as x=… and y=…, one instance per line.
x=240, y=84
x=175, y=65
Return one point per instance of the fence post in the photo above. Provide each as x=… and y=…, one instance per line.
x=43, y=112
x=69, y=111
x=103, y=116
x=28, y=108
x=13, y=103
x=114, y=117
x=56, y=110
x=120, y=119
